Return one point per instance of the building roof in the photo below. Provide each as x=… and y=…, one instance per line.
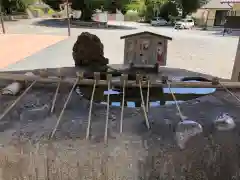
x=230, y=1
x=216, y=4
x=145, y=32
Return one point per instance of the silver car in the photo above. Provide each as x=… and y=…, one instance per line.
x=158, y=22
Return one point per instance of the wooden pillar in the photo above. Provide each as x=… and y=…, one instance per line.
x=68, y=18
x=206, y=22
x=236, y=66
x=1, y=18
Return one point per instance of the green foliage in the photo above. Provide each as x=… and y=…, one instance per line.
x=39, y=11
x=167, y=10
x=20, y=6
x=142, y=12
x=10, y=6
x=145, y=8
x=136, y=5
x=121, y=5
x=131, y=16
x=77, y=5
x=189, y=6
x=149, y=12
x=54, y=4
x=51, y=11
x=87, y=8
x=164, y=8
x=28, y=2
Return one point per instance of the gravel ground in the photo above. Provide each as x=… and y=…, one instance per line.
x=136, y=154
x=202, y=51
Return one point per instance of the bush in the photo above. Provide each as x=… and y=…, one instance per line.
x=38, y=11
x=149, y=12
x=131, y=16
x=174, y=19
x=168, y=9
x=51, y=12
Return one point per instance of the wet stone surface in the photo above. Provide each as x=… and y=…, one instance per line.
x=137, y=153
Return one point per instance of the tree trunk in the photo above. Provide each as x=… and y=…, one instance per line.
x=86, y=14
x=85, y=8
x=184, y=13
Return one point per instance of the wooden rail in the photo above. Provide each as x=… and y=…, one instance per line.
x=123, y=82
x=129, y=83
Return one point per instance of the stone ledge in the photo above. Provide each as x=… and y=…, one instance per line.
x=90, y=24
x=15, y=17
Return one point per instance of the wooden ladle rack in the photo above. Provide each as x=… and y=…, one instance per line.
x=141, y=81
x=214, y=83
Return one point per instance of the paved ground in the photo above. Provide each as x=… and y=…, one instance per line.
x=15, y=47
x=203, y=51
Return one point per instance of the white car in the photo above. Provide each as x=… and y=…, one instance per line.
x=75, y=14
x=184, y=24
x=158, y=22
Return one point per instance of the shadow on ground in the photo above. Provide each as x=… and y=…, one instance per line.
x=219, y=32
x=10, y=20
x=233, y=33
x=62, y=23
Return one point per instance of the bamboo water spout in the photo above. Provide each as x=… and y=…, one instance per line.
x=63, y=109
x=139, y=80
x=148, y=94
x=109, y=79
x=97, y=77
x=56, y=92
x=123, y=79
x=55, y=97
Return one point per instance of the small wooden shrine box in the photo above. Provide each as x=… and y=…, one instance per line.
x=145, y=49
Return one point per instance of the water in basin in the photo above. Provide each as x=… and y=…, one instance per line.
x=157, y=103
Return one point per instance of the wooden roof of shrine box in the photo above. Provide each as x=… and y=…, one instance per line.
x=145, y=48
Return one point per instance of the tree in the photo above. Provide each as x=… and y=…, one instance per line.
x=189, y=6
x=87, y=7
x=149, y=11
x=120, y=5
x=6, y=6
x=9, y=6
x=147, y=8
x=54, y=4
x=136, y=5
x=168, y=9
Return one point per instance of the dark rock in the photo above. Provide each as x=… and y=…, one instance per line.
x=88, y=50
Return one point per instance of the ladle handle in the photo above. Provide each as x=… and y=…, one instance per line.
x=176, y=103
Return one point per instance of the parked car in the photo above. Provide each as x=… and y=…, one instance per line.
x=75, y=14
x=56, y=15
x=158, y=21
x=173, y=20
x=184, y=24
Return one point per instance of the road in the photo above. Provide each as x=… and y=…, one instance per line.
x=203, y=51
